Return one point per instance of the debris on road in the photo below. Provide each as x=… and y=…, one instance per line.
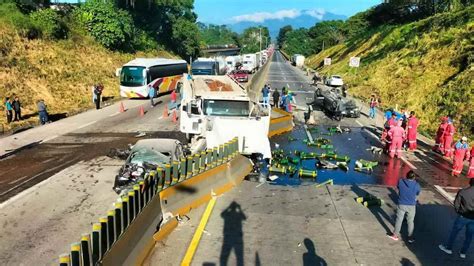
x=327, y=182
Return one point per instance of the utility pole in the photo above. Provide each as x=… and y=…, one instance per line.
x=323, y=45
x=260, y=38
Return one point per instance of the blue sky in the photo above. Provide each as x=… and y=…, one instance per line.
x=231, y=11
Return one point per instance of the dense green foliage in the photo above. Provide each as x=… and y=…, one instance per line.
x=217, y=35
x=254, y=39
x=109, y=25
x=49, y=23
x=297, y=42
x=281, y=38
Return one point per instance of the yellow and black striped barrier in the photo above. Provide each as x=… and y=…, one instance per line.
x=125, y=235
x=280, y=122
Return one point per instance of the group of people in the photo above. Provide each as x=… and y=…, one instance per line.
x=13, y=108
x=408, y=192
x=400, y=129
x=459, y=151
x=283, y=100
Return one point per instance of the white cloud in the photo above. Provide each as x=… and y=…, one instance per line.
x=262, y=16
x=316, y=13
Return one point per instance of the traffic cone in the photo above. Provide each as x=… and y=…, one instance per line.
x=121, y=107
x=175, y=117
x=165, y=112
x=141, y=111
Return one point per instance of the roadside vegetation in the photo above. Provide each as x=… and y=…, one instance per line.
x=422, y=62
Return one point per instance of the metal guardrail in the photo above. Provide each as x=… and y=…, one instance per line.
x=119, y=227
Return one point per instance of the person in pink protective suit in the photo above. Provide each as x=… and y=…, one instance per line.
x=397, y=135
x=412, y=131
x=448, y=136
x=461, y=149
x=470, y=172
x=438, y=147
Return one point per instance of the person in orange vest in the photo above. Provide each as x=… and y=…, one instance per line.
x=412, y=131
x=470, y=172
x=438, y=147
x=448, y=135
x=397, y=135
x=461, y=149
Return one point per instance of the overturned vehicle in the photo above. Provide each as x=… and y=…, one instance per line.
x=145, y=156
x=334, y=104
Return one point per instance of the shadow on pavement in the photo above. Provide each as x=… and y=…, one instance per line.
x=233, y=234
x=377, y=211
x=310, y=257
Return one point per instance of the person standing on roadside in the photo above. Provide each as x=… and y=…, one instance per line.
x=17, y=108
x=276, y=98
x=439, y=140
x=373, y=104
x=464, y=207
x=8, y=109
x=151, y=94
x=448, y=136
x=461, y=152
x=412, y=131
x=470, y=172
x=97, y=95
x=42, y=111
x=408, y=191
x=265, y=95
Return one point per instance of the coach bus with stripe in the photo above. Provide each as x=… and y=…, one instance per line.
x=163, y=74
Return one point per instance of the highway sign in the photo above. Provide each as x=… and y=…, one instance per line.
x=327, y=61
x=354, y=61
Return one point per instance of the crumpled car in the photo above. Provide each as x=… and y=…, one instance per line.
x=145, y=156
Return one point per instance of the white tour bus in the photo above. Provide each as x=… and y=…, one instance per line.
x=163, y=74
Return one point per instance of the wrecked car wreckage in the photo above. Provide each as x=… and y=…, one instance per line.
x=143, y=157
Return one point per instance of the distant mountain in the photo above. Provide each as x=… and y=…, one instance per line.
x=274, y=25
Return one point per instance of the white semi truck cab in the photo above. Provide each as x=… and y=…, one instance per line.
x=218, y=109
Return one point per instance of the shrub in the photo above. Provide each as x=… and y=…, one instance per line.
x=110, y=26
x=49, y=23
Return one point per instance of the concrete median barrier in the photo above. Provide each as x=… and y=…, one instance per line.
x=147, y=212
x=280, y=122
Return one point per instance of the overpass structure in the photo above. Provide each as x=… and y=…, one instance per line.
x=221, y=51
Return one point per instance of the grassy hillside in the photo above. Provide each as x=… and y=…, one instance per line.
x=425, y=66
x=59, y=71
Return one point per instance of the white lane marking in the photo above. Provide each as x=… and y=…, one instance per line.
x=360, y=124
x=17, y=180
x=161, y=117
x=445, y=194
x=408, y=163
x=288, y=84
x=35, y=176
x=50, y=138
x=114, y=114
x=88, y=124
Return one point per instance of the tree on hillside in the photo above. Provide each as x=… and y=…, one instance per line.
x=252, y=41
x=326, y=34
x=218, y=35
x=282, y=34
x=297, y=42
x=186, y=34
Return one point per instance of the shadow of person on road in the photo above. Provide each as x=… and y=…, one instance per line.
x=310, y=258
x=377, y=211
x=233, y=234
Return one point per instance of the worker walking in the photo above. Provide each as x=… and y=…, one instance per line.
x=448, y=136
x=276, y=98
x=397, y=136
x=470, y=172
x=408, y=191
x=412, y=131
x=464, y=207
x=461, y=149
x=439, y=140
x=389, y=124
x=265, y=95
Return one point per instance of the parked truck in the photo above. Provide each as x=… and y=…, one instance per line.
x=297, y=60
x=232, y=62
x=249, y=63
x=217, y=108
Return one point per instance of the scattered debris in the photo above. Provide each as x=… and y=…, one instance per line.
x=327, y=182
x=140, y=134
x=374, y=149
x=365, y=165
x=273, y=177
